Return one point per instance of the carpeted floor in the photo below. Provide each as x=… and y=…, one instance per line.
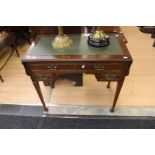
x=74, y=122
x=33, y=117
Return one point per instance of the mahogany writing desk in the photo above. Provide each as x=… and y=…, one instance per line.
x=43, y=63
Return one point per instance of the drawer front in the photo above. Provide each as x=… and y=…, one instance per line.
x=99, y=66
x=107, y=77
x=51, y=66
x=43, y=77
x=76, y=67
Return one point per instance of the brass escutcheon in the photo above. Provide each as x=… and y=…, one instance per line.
x=51, y=67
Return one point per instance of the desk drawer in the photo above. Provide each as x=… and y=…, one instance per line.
x=51, y=66
x=99, y=67
x=76, y=67
x=44, y=77
x=107, y=77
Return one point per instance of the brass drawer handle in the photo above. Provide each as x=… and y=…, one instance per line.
x=43, y=77
x=52, y=67
x=99, y=67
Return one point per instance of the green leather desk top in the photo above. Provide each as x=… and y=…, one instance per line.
x=80, y=47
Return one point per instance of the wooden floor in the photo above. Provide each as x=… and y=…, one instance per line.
x=138, y=89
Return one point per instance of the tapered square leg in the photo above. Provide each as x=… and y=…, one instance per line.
x=108, y=85
x=37, y=87
x=118, y=89
x=1, y=78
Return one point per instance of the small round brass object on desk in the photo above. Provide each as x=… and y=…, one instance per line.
x=98, y=38
x=62, y=40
